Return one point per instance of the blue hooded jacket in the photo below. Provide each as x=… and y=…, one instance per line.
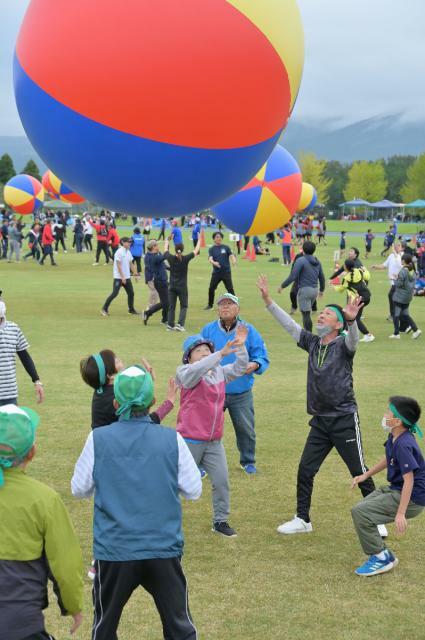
x=255, y=346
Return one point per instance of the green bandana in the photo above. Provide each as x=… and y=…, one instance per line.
x=413, y=428
x=133, y=387
x=338, y=315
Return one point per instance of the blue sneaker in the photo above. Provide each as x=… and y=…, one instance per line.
x=374, y=565
x=249, y=468
x=203, y=473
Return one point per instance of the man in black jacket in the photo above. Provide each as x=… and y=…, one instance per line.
x=308, y=273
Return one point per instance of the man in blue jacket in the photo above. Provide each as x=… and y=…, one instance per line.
x=136, y=470
x=307, y=272
x=239, y=399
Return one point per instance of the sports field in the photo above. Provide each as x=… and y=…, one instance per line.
x=260, y=585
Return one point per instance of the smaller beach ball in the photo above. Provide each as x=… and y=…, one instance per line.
x=268, y=201
x=48, y=187
x=308, y=198
x=60, y=190
x=24, y=194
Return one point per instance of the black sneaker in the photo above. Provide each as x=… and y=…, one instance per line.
x=145, y=317
x=133, y=312
x=207, y=308
x=225, y=529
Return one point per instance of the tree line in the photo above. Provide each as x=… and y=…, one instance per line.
x=398, y=178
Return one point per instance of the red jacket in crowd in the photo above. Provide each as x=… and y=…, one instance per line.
x=113, y=237
x=47, y=238
x=101, y=231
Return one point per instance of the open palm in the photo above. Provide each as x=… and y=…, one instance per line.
x=352, y=308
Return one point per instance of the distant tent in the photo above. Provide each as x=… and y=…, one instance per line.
x=57, y=204
x=357, y=202
x=416, y=204
x=385, y=204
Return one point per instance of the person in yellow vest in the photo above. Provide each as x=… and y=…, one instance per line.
x=354, y=281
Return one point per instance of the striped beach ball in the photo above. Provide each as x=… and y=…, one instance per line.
x=268, y=201
x=164, y=107
x=308, y=198
x=24, y=194
x=59, y=190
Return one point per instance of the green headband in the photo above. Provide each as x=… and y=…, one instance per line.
x=337, y=312
x=102, y=371
x=413, y=428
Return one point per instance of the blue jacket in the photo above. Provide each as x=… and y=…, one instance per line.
x=137, y=510
x=255, y=346
x=307, y=271
x=196, y=230
x=137, y=245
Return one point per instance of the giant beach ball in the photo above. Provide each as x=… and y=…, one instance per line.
x=157, y=107
x=57, y=189
x=268, y=201
x=308, y=198
x=24, y=194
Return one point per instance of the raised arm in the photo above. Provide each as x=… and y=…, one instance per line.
x=283, y=318
x=351, y=310
x=188, y=375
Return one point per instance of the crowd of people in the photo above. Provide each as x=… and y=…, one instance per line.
x=136, y=468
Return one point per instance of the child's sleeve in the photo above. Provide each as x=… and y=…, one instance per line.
x=64, y=557
x=163, y=410
x=189, y=375
x=237, y=368
x=82, y=483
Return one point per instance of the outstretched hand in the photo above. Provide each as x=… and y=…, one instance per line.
x=352, y=308
x=241, y=334
x=263, y=287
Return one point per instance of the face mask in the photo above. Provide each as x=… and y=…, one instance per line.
x=384, y=425
x=323, y=330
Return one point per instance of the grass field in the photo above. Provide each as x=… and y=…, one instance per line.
x=260, y=585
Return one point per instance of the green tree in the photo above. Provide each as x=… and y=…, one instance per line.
x=313, y=171
x=366, y=180
x=31, y=169
x=7, y=170
x=337, y=173
x=396, y=173
x=415, y=182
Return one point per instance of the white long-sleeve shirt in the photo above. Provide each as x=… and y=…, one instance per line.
x=189, y=477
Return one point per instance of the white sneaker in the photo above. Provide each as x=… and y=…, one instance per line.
x=382, y=530
x=393, y=336
x=416, y=334
x=408, y=330
x=367, y=338
x=95, y=264
x=297, y=525
x=179, y=327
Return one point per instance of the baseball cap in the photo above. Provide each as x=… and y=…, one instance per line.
x=133, y=387
x=17, y=434
x=228, y=296
x=195, y=341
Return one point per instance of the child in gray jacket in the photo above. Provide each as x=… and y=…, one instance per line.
x=402, y=296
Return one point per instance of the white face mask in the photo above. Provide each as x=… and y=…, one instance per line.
x=384, y=425
x=323, y=330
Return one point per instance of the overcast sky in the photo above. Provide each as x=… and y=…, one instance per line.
x=363, y=58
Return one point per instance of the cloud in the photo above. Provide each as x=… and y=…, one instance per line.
x=363, y=58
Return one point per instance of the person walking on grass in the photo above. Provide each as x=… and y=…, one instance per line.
x=123, y=268
x=330, y=399
x=220, y=256
x=38, y=543
x=200, y=419
x=102, y=240
x=177, y=288
x=369, y=237
x=156, y=260
x=137, y=248
x=33, y=237
x=402, y=297
x=14, y=241
x=239, y=397
x=404, y=498
x=47, y=241
x=393, y=266
x=308, y=273
x=136, y=470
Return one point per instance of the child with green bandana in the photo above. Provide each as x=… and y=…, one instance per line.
x=37, y=540
x=404, y=498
